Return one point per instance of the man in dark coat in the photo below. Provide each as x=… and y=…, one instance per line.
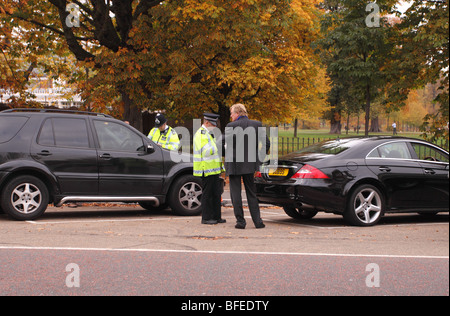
x=246, y=145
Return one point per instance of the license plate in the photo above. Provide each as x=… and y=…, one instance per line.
x=279, y=172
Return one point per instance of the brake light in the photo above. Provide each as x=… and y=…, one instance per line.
x=258, y=174
x=309, y=172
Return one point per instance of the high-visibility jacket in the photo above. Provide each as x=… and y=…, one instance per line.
x=207, y=161
x=168, y=139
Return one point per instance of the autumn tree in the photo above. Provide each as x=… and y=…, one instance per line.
x=209, y=55
x=96, y=32
x=183, y=56
x=425, y=58
x=358, y=51
x=17, y=61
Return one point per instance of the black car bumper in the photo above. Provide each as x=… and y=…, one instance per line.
x=316, y=194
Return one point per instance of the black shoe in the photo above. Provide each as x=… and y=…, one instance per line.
x=209, y=222
x=261, y=225
x=239, y=226
x=221, y=221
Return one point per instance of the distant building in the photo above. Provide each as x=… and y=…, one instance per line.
x=48, y=92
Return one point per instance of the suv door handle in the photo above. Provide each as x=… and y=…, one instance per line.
x=385, y=169
x=105, y=156
x=45, y=153
x=429, y=171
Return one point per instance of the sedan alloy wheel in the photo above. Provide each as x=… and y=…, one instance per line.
x=365, y=207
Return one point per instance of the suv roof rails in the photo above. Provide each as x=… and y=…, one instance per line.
x=55, y=111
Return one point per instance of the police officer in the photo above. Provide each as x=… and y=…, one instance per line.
x=164, y=135
x=208, y=165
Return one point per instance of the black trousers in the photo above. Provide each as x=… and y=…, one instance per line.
x=211, y=198
x=236, y=198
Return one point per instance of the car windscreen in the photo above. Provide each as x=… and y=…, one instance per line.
x=10, y=126
x=330, y=147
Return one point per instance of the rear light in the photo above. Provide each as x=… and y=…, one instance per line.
x=258, y=174
x=309, y=172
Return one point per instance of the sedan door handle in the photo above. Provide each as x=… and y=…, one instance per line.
x=429, y=171
x=385, y=169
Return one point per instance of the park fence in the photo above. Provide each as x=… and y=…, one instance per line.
x=288, y=145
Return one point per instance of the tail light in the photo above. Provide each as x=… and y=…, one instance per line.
x=258, y=174
x=309, y=172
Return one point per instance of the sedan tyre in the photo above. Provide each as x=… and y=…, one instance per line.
x=299, y=213
x=25, y=198
x=365, y=207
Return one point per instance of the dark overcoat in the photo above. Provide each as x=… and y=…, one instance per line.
x=245, y=146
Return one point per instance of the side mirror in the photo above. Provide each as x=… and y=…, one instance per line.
x=150, y=149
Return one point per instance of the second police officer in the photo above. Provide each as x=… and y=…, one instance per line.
x=208, y=165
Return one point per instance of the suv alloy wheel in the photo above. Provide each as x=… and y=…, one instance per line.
x=185, y=196
x=25, y=198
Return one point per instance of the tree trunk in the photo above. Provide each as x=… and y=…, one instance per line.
x=335, y=123
x=357, y=125
x=295, y=127
x=348, y=124
x=366, y=133
x=131, y=113
x=375, y=125
x=224, y=112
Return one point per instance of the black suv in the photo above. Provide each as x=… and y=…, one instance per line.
x=57, y=156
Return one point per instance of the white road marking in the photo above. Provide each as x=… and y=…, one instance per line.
x=223, y=252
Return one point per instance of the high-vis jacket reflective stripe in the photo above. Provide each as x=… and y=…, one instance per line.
x=207, y=161
x=168, y=140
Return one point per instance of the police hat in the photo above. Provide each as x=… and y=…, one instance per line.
x=212, y=118
x=160, y=120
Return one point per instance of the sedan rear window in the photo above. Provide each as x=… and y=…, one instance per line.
x=394, y=150
x=331, y=147
x=10, y=126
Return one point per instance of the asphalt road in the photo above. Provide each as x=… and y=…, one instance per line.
x=125, y=250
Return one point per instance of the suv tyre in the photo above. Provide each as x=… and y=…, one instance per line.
x=185, y=196
x=149, y=206
x=25, y=198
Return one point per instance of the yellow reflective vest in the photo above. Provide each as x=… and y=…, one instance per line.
x=168, y=139
x=207, y=161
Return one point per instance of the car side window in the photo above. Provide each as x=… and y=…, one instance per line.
x=117, y=137
x=425, y=152
x=64, y=132
x=397, y=150
x=46, y=136
x=10, y=126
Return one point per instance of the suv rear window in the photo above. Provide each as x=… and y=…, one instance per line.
x=64, y=132
x=10, y=126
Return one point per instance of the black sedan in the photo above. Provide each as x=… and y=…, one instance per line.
x=359, y=178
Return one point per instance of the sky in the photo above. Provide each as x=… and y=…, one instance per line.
x=404, y=5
